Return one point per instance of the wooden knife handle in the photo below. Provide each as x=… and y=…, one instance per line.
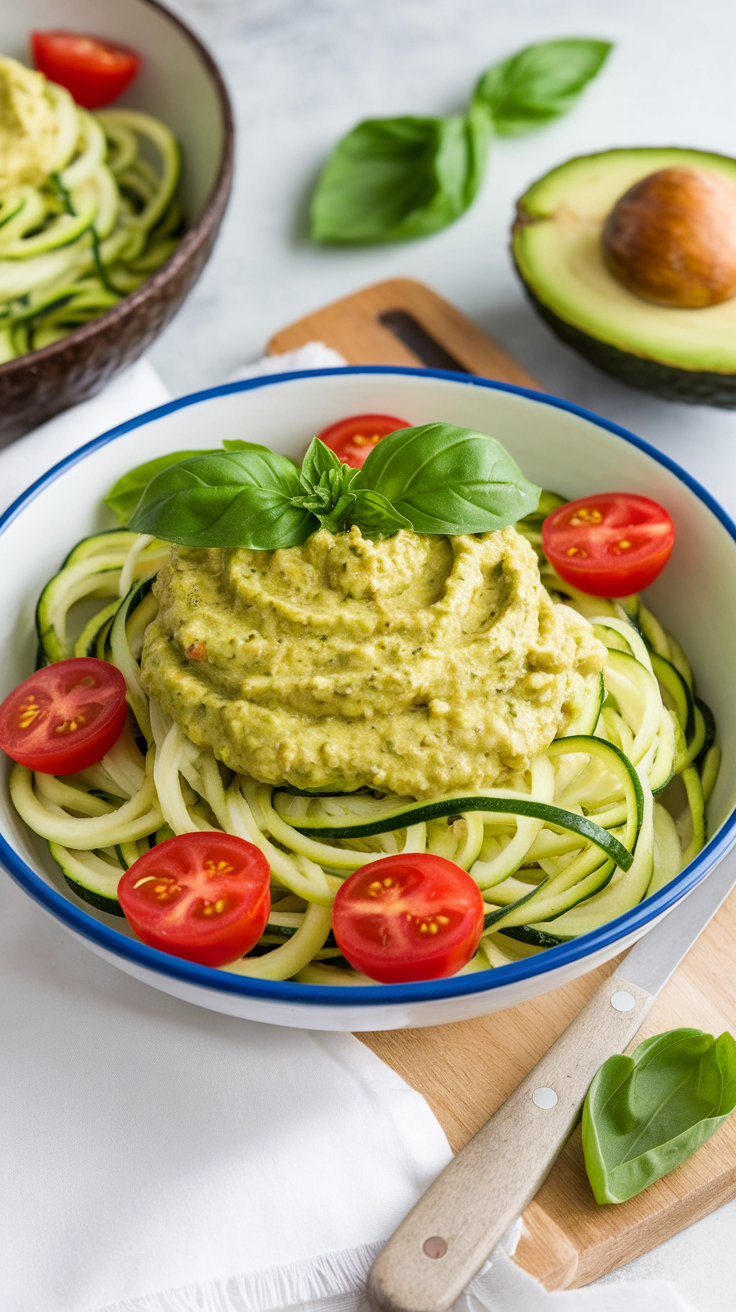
x=446, y=1238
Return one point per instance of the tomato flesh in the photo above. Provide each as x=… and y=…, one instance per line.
x=202, y=896
x=95, y=71
x=610, y=544
x=64, y=717
x=354, y=438
x=410, y=917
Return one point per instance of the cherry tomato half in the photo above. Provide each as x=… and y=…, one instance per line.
x=93, y=70
x=354, y=438
x=65, y=716
x=408, y=917
x=609, y=545
x=203, y=896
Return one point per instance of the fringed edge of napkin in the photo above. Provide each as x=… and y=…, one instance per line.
x=333, y=1282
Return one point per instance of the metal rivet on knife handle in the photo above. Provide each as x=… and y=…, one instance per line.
x=435, y=1246
x=623, y=1001
x=545, y=1098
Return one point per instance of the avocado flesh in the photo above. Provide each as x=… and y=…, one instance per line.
x=686, y=355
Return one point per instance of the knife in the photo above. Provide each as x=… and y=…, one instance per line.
x=448, y=1235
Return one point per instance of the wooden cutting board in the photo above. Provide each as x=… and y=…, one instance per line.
x=466, y=1070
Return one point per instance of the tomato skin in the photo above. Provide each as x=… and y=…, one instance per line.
x=64, y=717
x=611, y=544
x=379, y=911
x=354, y=438
x=95, y=71
x=204, y=897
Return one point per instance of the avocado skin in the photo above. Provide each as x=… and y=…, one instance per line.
x=693, y=386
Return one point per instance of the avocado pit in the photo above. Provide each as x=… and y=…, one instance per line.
x=671, y=238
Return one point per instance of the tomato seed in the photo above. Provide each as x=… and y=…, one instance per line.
x=28, y=712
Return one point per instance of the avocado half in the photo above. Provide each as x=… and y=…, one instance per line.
x=681, y=355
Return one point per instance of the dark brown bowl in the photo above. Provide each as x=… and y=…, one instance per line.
x=42, y=383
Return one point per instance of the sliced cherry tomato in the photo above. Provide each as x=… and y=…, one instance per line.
x=95, y=71
x=203, y=896
x=64, y=717
x=354, y=438
x=609, y=545
x=408, y=917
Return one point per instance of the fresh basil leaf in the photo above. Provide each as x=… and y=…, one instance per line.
x=375, y=516
x=646, y=1114
x=229, y=499
x=318, y=460
x=124, y=496
x=127, y=492
x=539, y=83
x=398, y=178
x=449, y=480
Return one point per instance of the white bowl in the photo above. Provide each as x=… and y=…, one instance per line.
x=559, y=446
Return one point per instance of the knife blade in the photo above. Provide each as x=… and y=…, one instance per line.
x=654, y=958
x=454, y=1227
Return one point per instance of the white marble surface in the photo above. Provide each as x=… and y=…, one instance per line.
x=301, y=73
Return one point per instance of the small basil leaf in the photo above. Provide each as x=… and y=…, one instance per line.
x=229, y=499
x=124, y=496
x=318, y=460
x=376, y=517
x=449, y=480
x=646, y=1114
x=326, y=488
x=539, y=83
x=398, y=178
x=127, y=492
x=339, y=517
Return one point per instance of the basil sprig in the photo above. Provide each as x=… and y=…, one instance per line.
x=646, y=1114
x=394, y=179
x=435, y=479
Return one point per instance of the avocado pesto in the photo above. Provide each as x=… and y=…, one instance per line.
x=28, y=128
x=416, y=665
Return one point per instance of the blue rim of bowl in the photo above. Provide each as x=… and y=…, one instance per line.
x=205, y=977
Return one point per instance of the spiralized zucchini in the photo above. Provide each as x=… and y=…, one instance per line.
x=103, y=220
x=609, y=814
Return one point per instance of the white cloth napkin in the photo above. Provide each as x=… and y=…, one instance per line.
x=161, y=1158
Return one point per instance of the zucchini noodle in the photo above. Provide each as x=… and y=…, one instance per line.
x=609, y=814
x=102, y=221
